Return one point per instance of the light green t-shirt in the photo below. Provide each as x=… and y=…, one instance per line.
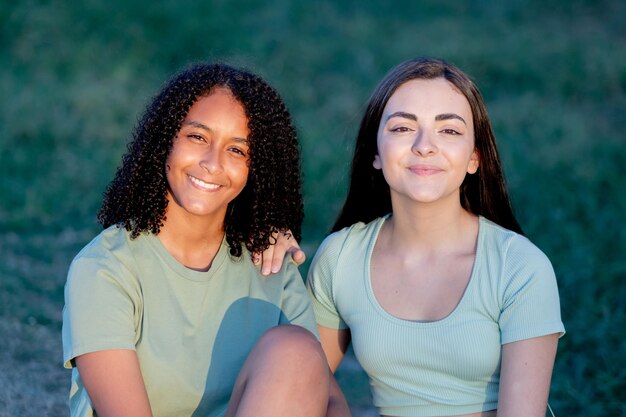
x=449, y=366
x=192, y=331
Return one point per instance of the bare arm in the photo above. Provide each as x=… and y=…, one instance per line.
x=525, y=376
x=335, y=343
x=114, y=383
x=272, y=258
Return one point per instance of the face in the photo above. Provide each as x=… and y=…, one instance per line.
x=426, y=142
x=208, y=164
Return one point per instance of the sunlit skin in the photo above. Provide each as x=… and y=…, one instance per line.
x=208, y=164
x=206, y=169
x=426, y=142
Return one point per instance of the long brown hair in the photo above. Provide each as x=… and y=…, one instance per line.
x=483, y=193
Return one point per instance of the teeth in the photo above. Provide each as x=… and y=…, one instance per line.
x=203, y=184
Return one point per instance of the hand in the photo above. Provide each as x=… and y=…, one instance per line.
x=272, y=258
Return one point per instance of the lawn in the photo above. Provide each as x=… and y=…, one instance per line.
x=76, y=75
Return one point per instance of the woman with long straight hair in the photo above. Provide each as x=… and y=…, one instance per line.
x=450, y=309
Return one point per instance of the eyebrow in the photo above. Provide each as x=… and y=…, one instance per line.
x=208, y=129
x=439, y=117
x=448, y=116
x=402, y=114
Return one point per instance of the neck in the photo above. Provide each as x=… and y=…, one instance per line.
x=192, y=240
x=430, y=227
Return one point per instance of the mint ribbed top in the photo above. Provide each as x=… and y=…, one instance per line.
x=449, y=366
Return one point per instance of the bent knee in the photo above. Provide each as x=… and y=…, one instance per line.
x=292, y=343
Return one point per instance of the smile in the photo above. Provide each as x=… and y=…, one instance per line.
x=203, y=185
x=424, y=170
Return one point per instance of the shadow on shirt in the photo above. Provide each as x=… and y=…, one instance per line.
x=243, y=324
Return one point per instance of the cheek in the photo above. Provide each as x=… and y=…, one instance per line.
x=242, y=171
x=388, y=153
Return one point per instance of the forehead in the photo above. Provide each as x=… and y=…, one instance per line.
x=433, y=96
x=218, y=112
x=220, y=102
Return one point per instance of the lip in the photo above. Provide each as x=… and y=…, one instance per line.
x=203, y=185
x=425, y=170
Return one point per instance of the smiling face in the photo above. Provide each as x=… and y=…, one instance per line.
x=426, y=142
x=208, y=164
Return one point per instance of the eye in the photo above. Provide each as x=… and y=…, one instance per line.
x=400, y=129
x=449, y=131
x=237, y=151
x=197, y=138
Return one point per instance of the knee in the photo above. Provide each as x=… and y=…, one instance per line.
x=286, y=370
x=291, y=344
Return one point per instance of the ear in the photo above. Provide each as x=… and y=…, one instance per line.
x=377, y=163
x=474, y=162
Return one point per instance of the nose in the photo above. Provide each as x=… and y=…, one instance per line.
x=211, y=160
x=423, y=144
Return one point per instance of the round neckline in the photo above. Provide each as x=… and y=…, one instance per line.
x=418, y=323
x=180, y=269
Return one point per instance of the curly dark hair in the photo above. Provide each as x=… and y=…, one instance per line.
x=483, y=193
x=271, y=201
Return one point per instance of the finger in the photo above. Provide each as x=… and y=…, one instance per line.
x=277, y=263
x=298, y=255
x=267, y=257
x=284, y=244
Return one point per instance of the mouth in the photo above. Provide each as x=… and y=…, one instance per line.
x=425, y=169
x=203, y=185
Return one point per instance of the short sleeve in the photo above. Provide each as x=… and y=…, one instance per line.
x=296, y=305
x=529, y=294
x=101, y=306
x=320, y=282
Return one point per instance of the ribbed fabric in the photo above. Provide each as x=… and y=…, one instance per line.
x=450, y=366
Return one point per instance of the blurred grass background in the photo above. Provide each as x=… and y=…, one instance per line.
x=75, y=76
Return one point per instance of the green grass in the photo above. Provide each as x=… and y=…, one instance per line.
x=75, y=76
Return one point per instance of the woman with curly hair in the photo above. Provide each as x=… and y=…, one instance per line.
x=166, y=312
x=450, y=310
